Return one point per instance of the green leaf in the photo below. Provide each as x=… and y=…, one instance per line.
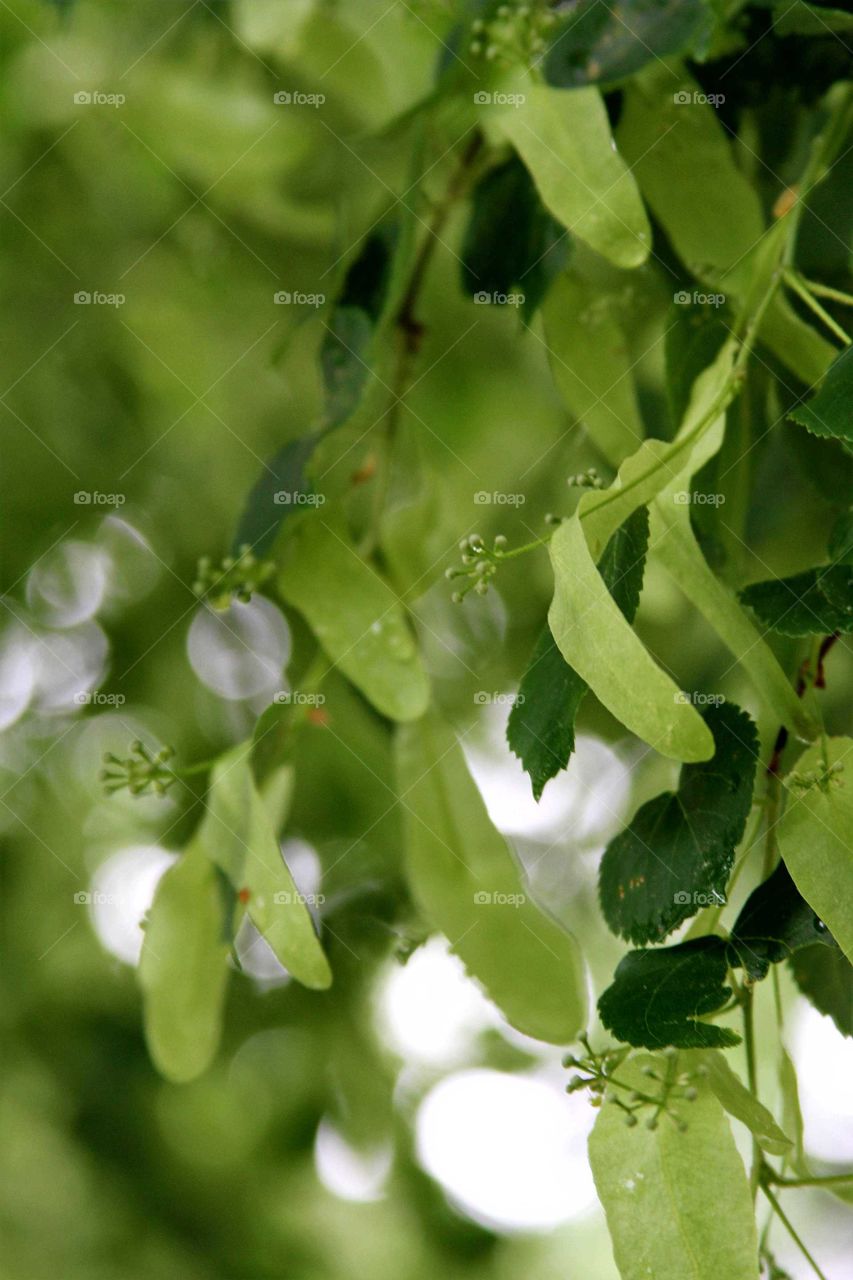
x=468, y=884
x=184, y=966
x=511, y=239
x=676, y=854
x=796, y=18
x=743, y=1105
x=678, y=551
x=774, y=922
x=238, y=836
x=355, y=615
x=598, y=643
x=591, y=364
x=601, y=44
x=792, y=1116
x=826, y=977
x=657, y=996
x=685, y=165
x=816, y=602
x=541, y=725
x=695, y=333
x=830, y=412
x=344, y=361
x=814, y=834
x=565, y=141
x=280, y=490
x=678, y=1204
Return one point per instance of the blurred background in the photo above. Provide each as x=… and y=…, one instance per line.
x=155, y=198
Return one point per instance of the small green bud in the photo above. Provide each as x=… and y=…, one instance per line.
x=630, y=1120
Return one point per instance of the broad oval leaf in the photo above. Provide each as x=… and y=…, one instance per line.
x=676, y=853
x=238, y=836
x=815, y=834
x=183, y=969
x=355, y=615
x=774, y=922
x=566, y=143
x=599, y=644
x=678, y=1204
x=468, y=884
x=658, y=996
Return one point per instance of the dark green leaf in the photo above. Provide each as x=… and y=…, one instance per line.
x=694, y=336
x=511, y=239
x=826, y=976
x=280, y=490
x=677, y=852
x=344, y=359
x=774, y=922
x=541, y=726
x=816, y=602
x=657, y=996
x=830, y=412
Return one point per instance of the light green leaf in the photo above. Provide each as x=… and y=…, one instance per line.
x=658, y=464
x=238, y=836
x=678, y=1204
x=792, y=1116
x=183, y=968
x=599, y=644
x=468, y=884
x=677, y=549
x=591, y=364
x=744, y=1106
x=815, y=834
x=355, y=615
x=684, y=163
x=565, y=141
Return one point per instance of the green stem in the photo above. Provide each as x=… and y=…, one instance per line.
x=786, y=1223
x=752, y=1078
x=825, y=291
x=793, y=280
x=825, y=1180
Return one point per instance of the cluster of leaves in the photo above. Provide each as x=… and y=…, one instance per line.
x=567, y=208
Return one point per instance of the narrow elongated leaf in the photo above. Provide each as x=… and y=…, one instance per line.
x=814, y=834
x=599, y=44
x=658, y=464
x=541, y=725
x=677, y=549
x=830, y=412
x=599, y=644
x=826, y=977
x=344, y=361
x=355, y=615
x=183, y=967
x=468, y=884
x=280, y=490
x=678, y=1203
x=816, y=602
x=238, y=836
x=775, y=921
x=676, y=854
x=657, y=996
x=743, y=1105
x=591, y=364
x=565, y=141
x=511, y=239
